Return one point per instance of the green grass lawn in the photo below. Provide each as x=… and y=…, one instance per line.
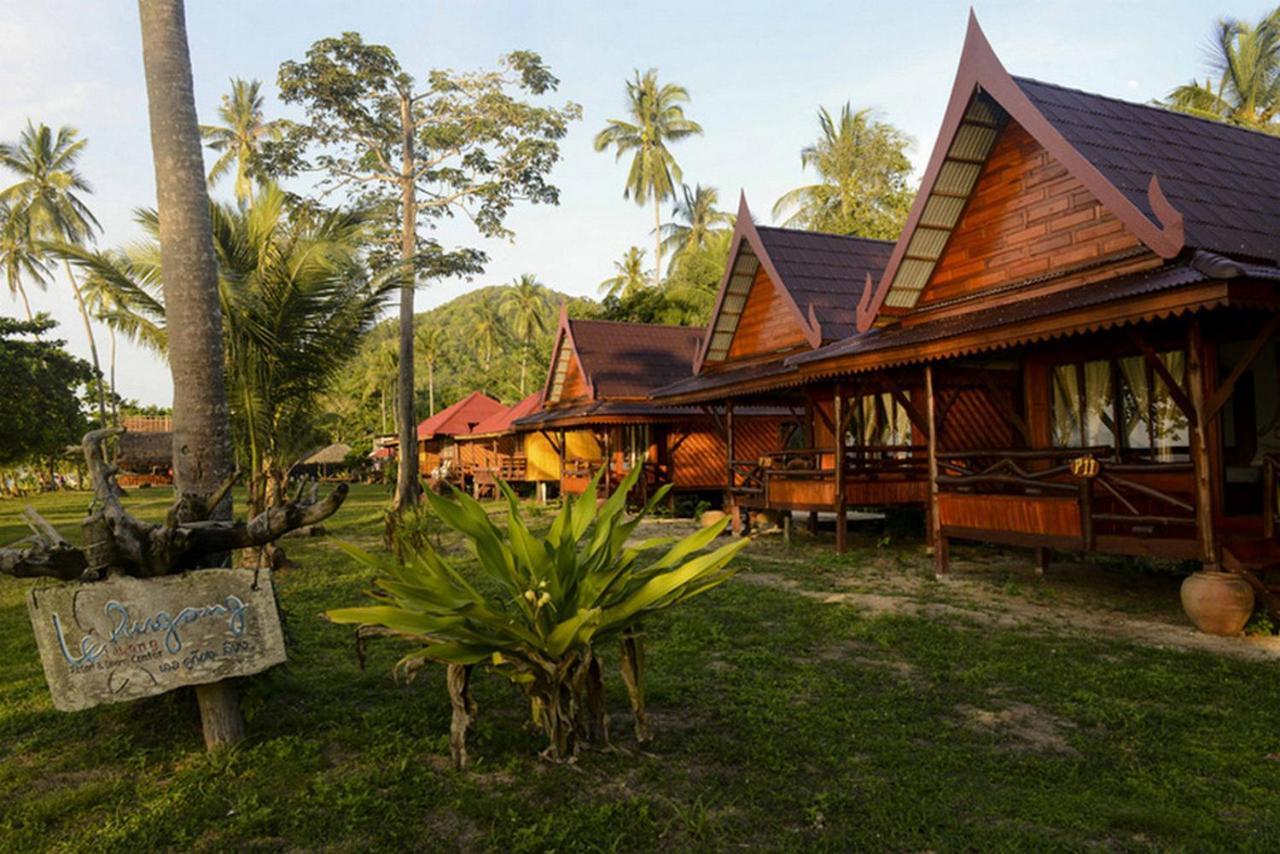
x=782, y=722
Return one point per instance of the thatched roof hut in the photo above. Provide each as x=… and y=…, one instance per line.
x=143, y=452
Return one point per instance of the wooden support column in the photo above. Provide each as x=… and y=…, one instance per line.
x=1042, y=560
x=563, y=461
x=608, y=460
x=729, y=503
x=1200, y=455
x=935, y=520
x=813, y=522
x=838, y=425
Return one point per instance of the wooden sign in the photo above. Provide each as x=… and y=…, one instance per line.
x=124, y=638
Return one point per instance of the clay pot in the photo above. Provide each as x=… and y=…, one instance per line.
x=1219, y=603
x=710, y=517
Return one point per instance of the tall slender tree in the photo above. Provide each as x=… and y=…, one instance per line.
x=864, y=178
x=525, y=307
x=655, y=120
x=696, y=221
x=202, y=457
x=487, y=331
x=238, y=140
x=19, y=258
x=629, y=275
x=46, y=197
x=430, y=343
x=1245, y=60
x=450, y=144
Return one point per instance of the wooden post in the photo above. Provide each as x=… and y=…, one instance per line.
x=1086, y=514
x=563, y=461
x=608, y=460
x=1042, y=560
x=813, y=522
x=1268, y=500
x=786, y=526
x=842, y=523
x=1199, y=450
x=730, y=504
x=935, y=519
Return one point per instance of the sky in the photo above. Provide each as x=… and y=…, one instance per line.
x=756, y=73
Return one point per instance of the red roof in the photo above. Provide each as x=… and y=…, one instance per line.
x=460, y=418
x=501, y=421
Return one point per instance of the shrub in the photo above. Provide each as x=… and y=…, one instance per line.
x=539, y=607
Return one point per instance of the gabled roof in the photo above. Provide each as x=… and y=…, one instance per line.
x=1174, y=180
x=621, y=360
x=822, y=277
x=500, y=422
x=460, y=418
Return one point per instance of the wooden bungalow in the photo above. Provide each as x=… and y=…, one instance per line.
x=493, y=450
x=786, y=293
x=439, y=454
x=144, y=455
x=1105, y=276
x=596, y=412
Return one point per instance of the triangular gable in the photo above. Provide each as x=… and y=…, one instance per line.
x=983, y=98
x=1026, y=216
x=749, y=264
x=567, y=371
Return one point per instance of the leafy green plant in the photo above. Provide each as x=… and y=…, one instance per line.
x=538, y=607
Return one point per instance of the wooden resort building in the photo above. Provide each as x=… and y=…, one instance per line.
x=1080, y=322
x=439, y=453
x=597, y=413
x=493, y=450
x=144, y=455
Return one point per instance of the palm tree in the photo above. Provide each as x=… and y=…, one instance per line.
x=46, y=198
x=864, y=172
x=697, y=219
x=525, y=307
x=629, y=277
x=487, y=331
x=191, y=296
x=430, y=342
x=238, y=140
x=1246, y=59
x=294, y=300
x=656, y=119
x=19, y=257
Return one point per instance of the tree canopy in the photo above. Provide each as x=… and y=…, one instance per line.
x=1244, y=90
x=39, y=384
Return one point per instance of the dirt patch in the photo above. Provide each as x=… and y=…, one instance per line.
x=1021, y=726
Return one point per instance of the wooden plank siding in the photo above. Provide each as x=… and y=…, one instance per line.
x=699, y=461
x=768, y=323
x=575, y=385
x=1025, y=217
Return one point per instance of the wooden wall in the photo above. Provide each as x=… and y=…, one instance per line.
x=1025, y=217
x=575, y=384
x=701, y=461
x=543, y=460
x=768, y=322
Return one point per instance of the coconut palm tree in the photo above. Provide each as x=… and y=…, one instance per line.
x=696, y=221
x=430, y=343
x=656, y=119
x=191, y=295
x=19, y=257
x=1246, y=61
x=46, y=197
x=629, y=277
x=863, y=174
x=525, y=307
x=238, y=140
x=487, y=331
x=295, y=301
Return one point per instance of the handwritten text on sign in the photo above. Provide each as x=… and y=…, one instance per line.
x=125, y=638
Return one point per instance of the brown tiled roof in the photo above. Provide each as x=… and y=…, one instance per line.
x=460, y=418
x=1224, y=180
x=632, y=359
x=501, y=421
x=721, y=381
x=604, y=412
x=825, y=271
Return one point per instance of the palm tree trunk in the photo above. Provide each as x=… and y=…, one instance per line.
x=201, y=431
x=657, y=241
x=115, y=398
x=407, y=473
x=431, y=387
x=26, y=303
x=93, y=344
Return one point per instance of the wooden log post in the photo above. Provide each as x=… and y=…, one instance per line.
x=608, y=460
x=940, y=556
x=838, y=423
x=813, y=522
x=1200, y=457
x=563, y=466
x=729, y=503
x=1042, y=560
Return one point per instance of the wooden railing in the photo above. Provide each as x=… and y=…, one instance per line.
x=1108, y=491
x=867, y=462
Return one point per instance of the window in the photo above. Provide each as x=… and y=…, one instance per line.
x=1120, y=403
x=878, y=419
